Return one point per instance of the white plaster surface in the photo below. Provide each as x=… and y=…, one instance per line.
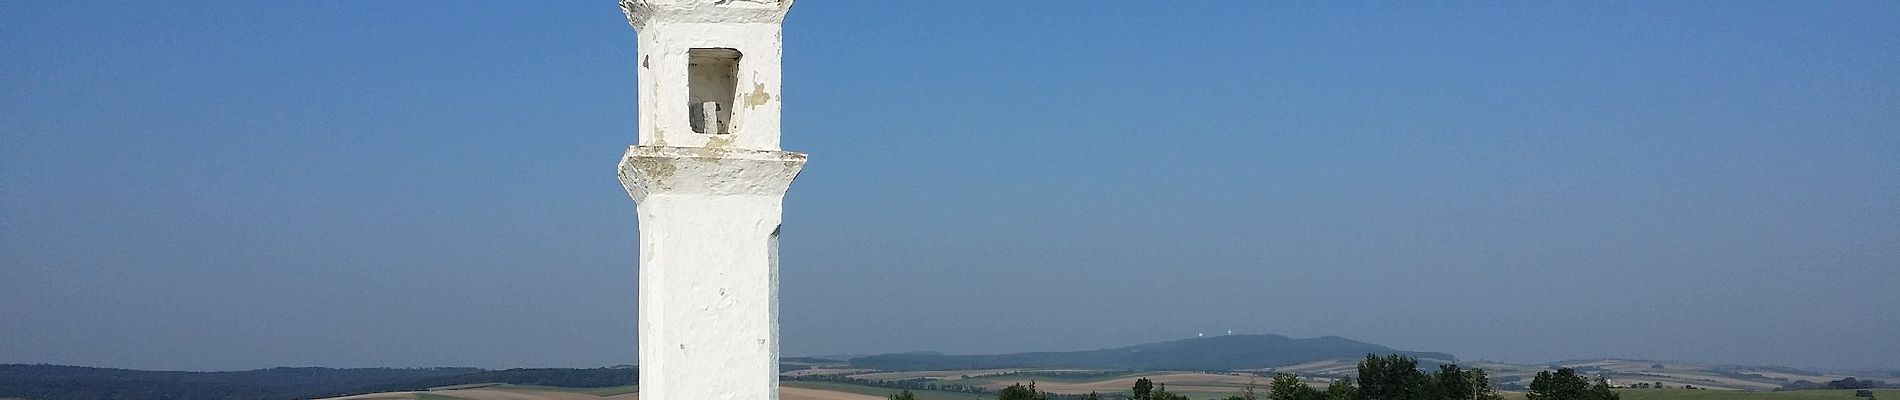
x=669, y=29
x=709, y=203
x=709, y=223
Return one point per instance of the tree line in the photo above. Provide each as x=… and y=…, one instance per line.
x=1390, y=377
x=1397, y=377
x=1846, y=383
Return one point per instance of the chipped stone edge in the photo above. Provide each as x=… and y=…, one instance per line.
x=654, y=170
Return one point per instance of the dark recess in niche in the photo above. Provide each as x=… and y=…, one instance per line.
x=711, y=86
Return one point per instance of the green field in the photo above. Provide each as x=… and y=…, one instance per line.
x=1685, y=394
x=878, y=391
x=1213, y=395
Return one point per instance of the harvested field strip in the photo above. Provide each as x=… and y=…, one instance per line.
x=881, y=392
x=1179, y=382
x=950, y=374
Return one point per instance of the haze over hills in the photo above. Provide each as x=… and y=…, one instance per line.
x=1213, y=365
x=1216, y=353
x=57, y=382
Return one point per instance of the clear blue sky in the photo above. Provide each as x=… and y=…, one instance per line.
x=250, y=184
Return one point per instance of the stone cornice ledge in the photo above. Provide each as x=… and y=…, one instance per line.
x=647, y=170
x=643, y=12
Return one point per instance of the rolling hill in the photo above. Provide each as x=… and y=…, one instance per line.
x=57, y=382
x=1217, y=353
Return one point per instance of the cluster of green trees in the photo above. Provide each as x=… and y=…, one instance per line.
x=1397, y=377
x=1851, y=383
x=1144, y=390
x=1391, y=377
x=1848, y=383
x=1020, y=392
x=1565, y=384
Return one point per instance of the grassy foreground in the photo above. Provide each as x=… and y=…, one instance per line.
x=1685, y=394
x=1627, y=394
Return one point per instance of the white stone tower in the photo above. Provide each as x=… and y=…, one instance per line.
x=709, y=180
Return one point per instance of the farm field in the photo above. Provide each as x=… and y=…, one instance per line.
x=803, y=390
x=494, y=393
x=1179, y=382
x=825, y=371
x=941, y=375
x=507, y=392
x=1672, y=374
x=1044, y=376
x=821, y=389
x=787, y=391
x=1731, y=381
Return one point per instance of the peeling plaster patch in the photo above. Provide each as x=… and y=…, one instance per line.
x=758, y=96
x=655, y=169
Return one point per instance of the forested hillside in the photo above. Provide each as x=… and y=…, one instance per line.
x=56, y=382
